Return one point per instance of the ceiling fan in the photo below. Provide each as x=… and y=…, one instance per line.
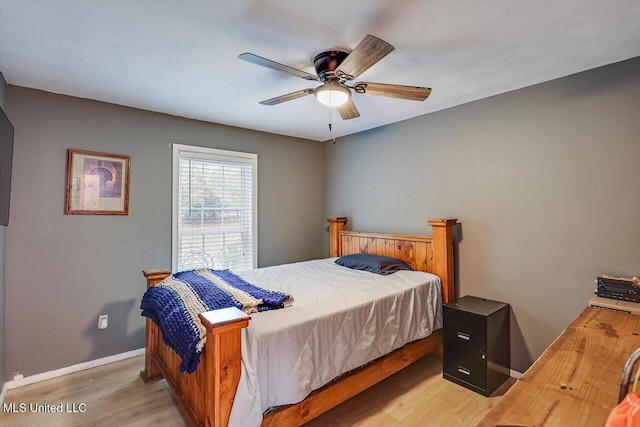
x=334, y=68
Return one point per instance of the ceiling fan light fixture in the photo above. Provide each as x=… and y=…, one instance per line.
x=332, y=94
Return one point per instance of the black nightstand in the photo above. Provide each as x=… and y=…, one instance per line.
x=476, y=346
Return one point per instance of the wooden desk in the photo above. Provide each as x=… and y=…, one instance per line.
x=576, y=380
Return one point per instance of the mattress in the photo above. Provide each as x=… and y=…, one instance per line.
x=341, y=319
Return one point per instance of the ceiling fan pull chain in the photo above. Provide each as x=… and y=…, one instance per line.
x=332, y=117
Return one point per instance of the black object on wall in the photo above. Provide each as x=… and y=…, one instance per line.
x=6, y=160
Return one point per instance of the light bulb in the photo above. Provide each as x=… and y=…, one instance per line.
x=332, y=94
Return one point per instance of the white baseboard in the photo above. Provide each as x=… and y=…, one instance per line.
x=515, y=374
x=3, y=392
x=68, y=370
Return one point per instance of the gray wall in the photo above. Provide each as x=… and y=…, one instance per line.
x=545, y=182
x=62, y=271
x=3, y=88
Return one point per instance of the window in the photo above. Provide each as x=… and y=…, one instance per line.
x=214, y=209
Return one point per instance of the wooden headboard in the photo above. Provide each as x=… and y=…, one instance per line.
x=431, y=254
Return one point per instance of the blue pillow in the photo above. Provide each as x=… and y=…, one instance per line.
x=378, y=264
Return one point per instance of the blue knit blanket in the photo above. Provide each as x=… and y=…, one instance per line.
x=174, y=305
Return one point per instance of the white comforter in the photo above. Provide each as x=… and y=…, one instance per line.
x=341, y=319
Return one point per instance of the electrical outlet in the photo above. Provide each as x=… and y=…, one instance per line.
x=103, y=321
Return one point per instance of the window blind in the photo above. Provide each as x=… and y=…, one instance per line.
x=214, y=209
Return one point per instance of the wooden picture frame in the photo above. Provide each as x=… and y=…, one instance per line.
x=97, y=183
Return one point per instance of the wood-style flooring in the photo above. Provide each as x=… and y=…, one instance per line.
x=114, y=395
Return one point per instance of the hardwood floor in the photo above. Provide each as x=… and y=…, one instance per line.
x=115, y=395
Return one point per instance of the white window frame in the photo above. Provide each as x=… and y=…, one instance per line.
x=181, y=150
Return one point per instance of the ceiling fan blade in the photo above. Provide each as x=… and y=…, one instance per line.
x=348, y=110
x=258, y=60
x=413, y=93
x=369, y=51
x=288, y=97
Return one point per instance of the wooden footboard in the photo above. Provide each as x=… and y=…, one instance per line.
x=206, y=396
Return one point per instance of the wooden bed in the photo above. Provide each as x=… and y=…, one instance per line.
x=206, y=396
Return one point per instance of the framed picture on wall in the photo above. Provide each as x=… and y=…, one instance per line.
x=97, y=183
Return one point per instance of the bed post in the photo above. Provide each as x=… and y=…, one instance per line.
x=443, y=255
x=335, y=224
x=151, y=369
x=222, y=362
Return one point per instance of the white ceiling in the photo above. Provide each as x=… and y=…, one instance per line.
x=180, y=57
